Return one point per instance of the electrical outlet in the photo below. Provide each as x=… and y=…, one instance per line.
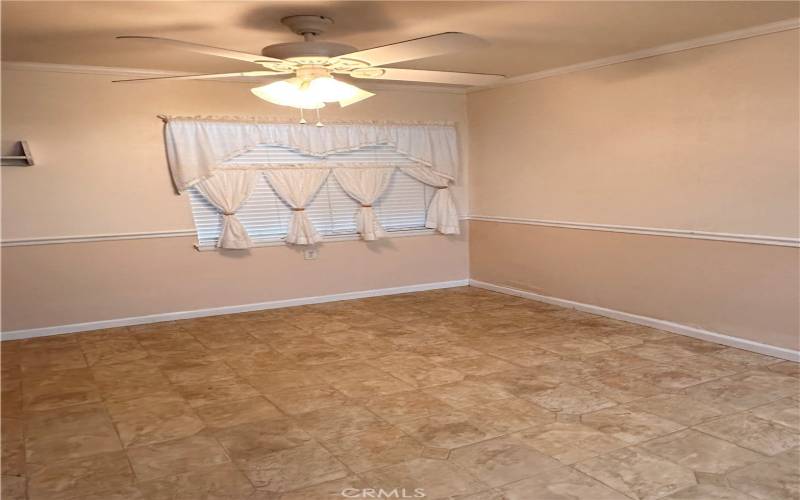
x=310, y=253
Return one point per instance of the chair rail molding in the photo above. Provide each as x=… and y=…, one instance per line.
x=757, y=239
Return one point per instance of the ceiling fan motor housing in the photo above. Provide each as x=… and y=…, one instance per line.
x=311, y=51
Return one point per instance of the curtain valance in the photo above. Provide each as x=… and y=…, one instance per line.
x=196, y=147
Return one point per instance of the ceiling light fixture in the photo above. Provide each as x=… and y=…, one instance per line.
x=309, y=64
x=311, y=88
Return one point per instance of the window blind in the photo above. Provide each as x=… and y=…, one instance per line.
x=266, y=217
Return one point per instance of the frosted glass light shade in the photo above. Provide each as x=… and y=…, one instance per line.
x=305, y=94
x=287, y=93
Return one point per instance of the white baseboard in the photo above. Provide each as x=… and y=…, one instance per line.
x=689, y=331
x=216, y=311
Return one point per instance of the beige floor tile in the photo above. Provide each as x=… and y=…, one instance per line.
x=216, y=481
x=329, y=490
x=68, y=433
x=678, y=408
x=175, y=457
x=417, y=370
x=478, y=365
x=709, y=367
x=79, y=477
x=222, y=336
x=701, y=452
x=629, y=425
x=154, y=418
x=775, y=479
x=409, y=405
x=570, y=399
x=745, y=357
x=306, y=399
x=508, y=415
x=216, y=391
x=785, y=412
x=13, y=488
x=708, y=492
x=56, y=389
x=120, y=349
x=521, y=382
x=371, y=383
x=35, y=361
x=11, y=402
x=502, y=460
x=379, y=447
x=570, y=442
x=620, y=387
x=525, y=356
x=451, y=430
x=519, y=372
x=559, y=484
x=292, y=468
x=191, y=372
x=129, y=380
x=264, y=436
x=338, y=421
x=753, y=433
x=575, y=347
x=696, y=346
x=284, y=379
x=784, y=368
x=745, y=390
x=232, y=413
x=616, y=361
x=437, y=479
x=467, y=393
x=667, y=376
x=12, y=457
x=638, y=474
x=660, y=352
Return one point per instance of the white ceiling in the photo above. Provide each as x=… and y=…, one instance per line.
x=525, y=36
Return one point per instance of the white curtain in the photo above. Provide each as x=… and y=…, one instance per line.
x=442, y=213
x=297, y=187
x=227, y=190
x=196, y=147
x=365, y=185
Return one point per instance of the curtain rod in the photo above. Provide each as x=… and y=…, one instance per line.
x=285, y=121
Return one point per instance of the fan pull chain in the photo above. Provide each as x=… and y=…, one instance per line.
x=319, y=122
x=302, y=119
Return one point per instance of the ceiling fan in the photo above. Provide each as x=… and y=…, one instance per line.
x=313, y=64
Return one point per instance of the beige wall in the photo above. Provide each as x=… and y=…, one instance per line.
x=743, y=290
x=704, y=139
x=101, y=170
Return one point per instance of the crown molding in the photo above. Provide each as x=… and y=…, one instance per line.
x=728, y=36
x=148, y=73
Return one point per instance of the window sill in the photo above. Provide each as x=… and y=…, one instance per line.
x=328, y=239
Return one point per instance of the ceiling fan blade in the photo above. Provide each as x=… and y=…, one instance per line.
x=418, y=48
x=206, y=77
x=423, y=75
x=202, y=49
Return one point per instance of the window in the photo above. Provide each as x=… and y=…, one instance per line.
x=266, y=217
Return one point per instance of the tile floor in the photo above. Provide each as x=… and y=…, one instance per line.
x=461, y=393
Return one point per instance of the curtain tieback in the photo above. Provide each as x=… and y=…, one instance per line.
x=297, y=209
x=228, y=213
x=366, y=206
x=441, y=187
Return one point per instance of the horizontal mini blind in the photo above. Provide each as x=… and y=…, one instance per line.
x=266, y=217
